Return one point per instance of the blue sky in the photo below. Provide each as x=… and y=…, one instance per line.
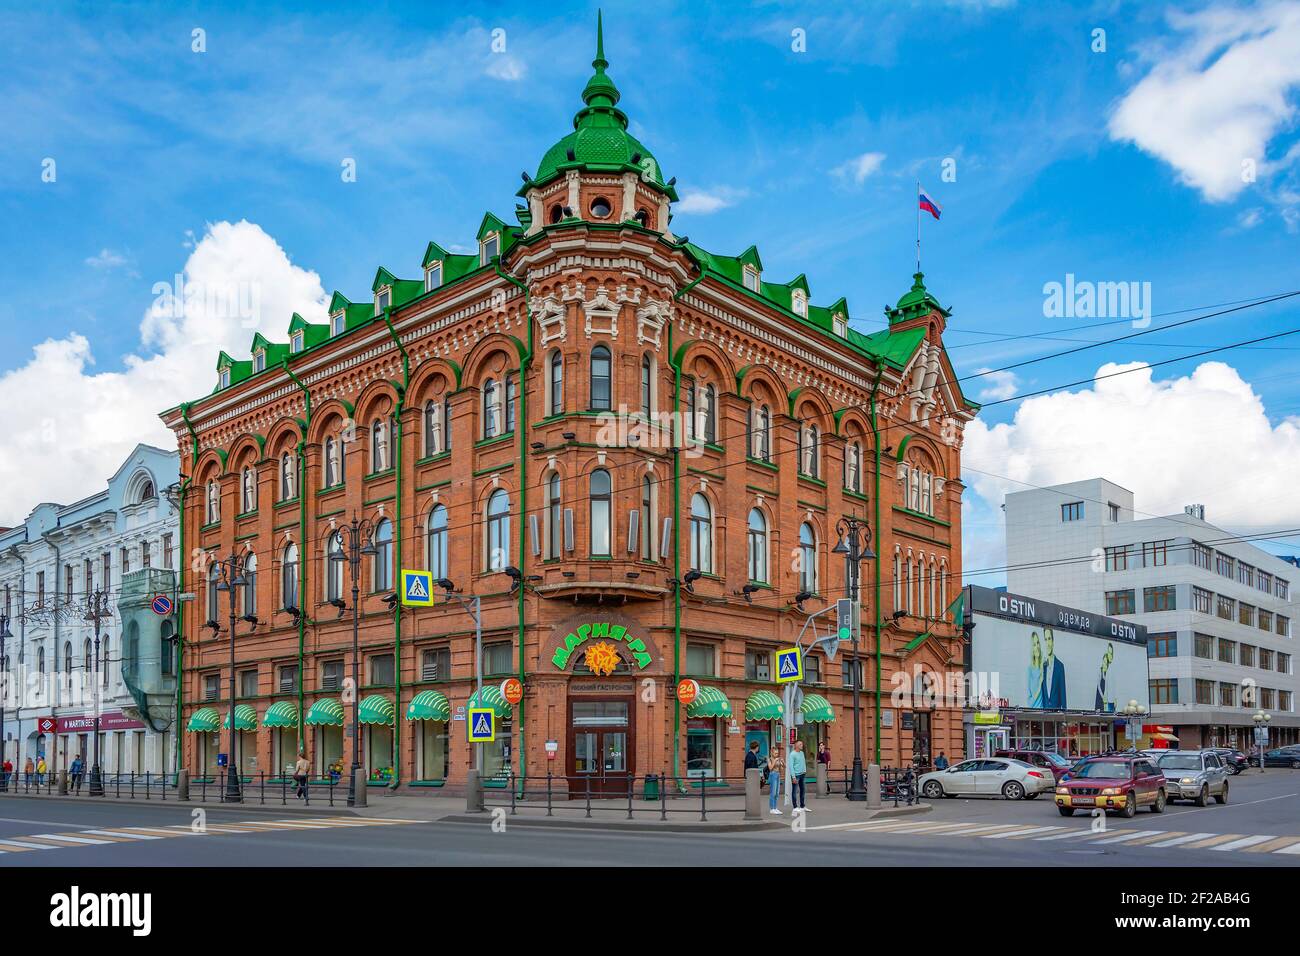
x=1122, y=165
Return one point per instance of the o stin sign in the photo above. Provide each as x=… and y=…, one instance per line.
x=615, y=632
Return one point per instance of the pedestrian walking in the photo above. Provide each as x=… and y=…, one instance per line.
x=8, y=769
x=300, y=771
x=40, y=770
x=798, y=776
x=75, y=770
x=941, y=762
x=28, y=769
x=775, y=771
x=824, y=765
x=751, y=757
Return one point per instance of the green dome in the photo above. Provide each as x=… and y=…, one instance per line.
x=600, y=140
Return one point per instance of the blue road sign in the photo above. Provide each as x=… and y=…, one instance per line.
x=482, y=725
x=162, y=604
x=789, y=665
x=417, y=588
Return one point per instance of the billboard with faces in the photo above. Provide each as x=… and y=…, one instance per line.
x=1038, y=655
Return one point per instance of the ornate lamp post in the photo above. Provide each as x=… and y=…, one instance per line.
x=96, y=612
x=4, y=694
x=855, y=537
x=230, y=575
x=356, y=539
x=1133, y=711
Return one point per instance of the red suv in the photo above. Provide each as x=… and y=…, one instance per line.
x=1045, y=759
x=1120, y=782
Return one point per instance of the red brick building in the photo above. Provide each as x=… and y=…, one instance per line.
x=591, y=406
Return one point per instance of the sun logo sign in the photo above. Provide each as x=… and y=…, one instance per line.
x=601, y=658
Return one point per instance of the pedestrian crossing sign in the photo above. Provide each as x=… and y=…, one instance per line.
x=789, y=665
x=482, y=725
x=417, y=589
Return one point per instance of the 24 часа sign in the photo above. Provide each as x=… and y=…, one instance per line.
x=1037, y=654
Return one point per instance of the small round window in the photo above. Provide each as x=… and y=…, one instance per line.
x=557, y=213
x=600, y=207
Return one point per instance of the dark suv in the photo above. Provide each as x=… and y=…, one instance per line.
x=1116, y=782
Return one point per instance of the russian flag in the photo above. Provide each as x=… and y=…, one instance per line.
x=928, y=204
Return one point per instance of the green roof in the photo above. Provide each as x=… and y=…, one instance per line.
x=600, y=141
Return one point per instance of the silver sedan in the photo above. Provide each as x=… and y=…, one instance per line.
x=988, y=776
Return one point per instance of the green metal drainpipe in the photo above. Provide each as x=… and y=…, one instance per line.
x=302, y=554
x=180, y=617
x=677, y=536
x=521, y=429
x=875, y=441
x=397, y=608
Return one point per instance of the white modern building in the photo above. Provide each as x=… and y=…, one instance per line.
x=1218, y=610
x=121, y=540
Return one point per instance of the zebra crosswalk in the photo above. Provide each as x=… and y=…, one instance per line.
x=129, y=834
x=1183, y=839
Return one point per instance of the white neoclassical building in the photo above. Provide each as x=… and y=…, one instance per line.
x=120, y=541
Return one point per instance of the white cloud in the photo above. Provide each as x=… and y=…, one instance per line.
x=1205, y=437
x=502, y=66
x=80, y=423
x=703, y=202
x=997, y=385
x=859, y=168
x=1219, y=98
x=107, y=259
x=1250, y=218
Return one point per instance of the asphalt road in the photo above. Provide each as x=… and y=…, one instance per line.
x=1263, y=813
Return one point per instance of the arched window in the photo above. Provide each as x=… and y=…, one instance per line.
x=647, y=379
x=379, y=442
x=67, y=663
x=934, y=609
x=898, y=581
x=920, y=586
x=510, y=403
x=248, y=484
x=807, y=558
x=446, y=424
x=498, y=530
x=147, y=492
x=601, y=384
x=491, y=409
x=288, y=476
x=600, y=512
x=909, y=586
x=692, y=419
x=943, y=589
x=437, y=535
x=40, y=662
x=554, y=516
x=103, y=662
x=760, y=444
x=334, y=561
x=250, y=586
x=87, y=662
x=214, y=502
x=701, y=534
x=214, y=596
x=432, y=427
x=853, y=466
x=557, y=383
x=647, y=519
x=383, y=561
x=289, y=575
x=757, y=546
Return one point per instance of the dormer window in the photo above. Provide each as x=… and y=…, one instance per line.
x=295, y=342
x=382, y=299
x=225, y=378
x=751, y=278
x=259, y=360
x=840, y=325
x=489, y=248
x=336, y=323
x=799, y=303
x=433, y=276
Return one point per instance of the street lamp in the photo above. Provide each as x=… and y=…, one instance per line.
x=230, y=575
x=356, y=539
x=1133, y=711
x=855, y=535
x=1261, y=720
x=96, y=612
x=4, y=694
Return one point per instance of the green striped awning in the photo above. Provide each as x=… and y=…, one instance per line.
x=325, y=713
x=490, y=696
x=245, y=719
x=377, y=709
x=429, y=705
x=204, y=721
x=711, y=702
x=280, y=714
x=817, y=709
x=764, y=705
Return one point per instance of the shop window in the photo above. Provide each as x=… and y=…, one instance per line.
x=381, y=669
x=700, y=660
x=498, y=659
x=433, y=749
x=702, y=750
x=496, y=755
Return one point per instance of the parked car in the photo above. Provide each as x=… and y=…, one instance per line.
x=988, y=776
x=1234, y=760
x=1280, y=757
x=1043, y=759
x=1195, y=775
x=1119, y=783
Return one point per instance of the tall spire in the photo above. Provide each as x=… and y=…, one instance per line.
x=600, y=62
x=600, y=93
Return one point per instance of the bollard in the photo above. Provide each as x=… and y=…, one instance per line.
x=873, y=786
x=753, y=794
x=359, y=786
x=821, y=788
x=473, y=793
x=63, y=783
x=183, y=785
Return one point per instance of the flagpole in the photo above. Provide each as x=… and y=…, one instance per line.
x=918, y=225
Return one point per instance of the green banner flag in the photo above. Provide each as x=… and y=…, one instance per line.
x=958, y=608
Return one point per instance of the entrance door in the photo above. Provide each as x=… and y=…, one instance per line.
x=600, y=742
